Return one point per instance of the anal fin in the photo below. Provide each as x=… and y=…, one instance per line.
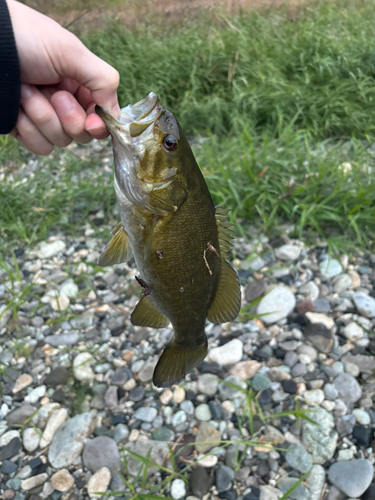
x=227, y=301
x=118, y=249
x=146, y=314
x=176, y=361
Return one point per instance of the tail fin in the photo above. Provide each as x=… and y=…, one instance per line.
x=176, y=361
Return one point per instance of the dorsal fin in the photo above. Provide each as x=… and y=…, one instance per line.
x=118, y=249
x=146, y=314
x=227, y=302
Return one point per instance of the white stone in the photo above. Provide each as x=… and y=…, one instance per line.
x=268, y=492
x=22, y=382
x=57, y=418
x=345, y=455
x=48, y=250
x=208, y=461
x=81, y=367
x=276, y=305
x=227, y=354
x=245, y=369
x=36, y=394
x=60, y=303
x=330, y=267
x=99, y=482
x=8, y=436
x=365, y=304
x=341, y=282
x=356, y=279
x=69, y=289
x=361, y=416
x=353, y=332
x=62, y=480
x=30, y=439
x=310, y=290
x=314, y=397
x=178, y=489
x=321, y=318
x=315, y=481
x=34, y=481
x=287, y=252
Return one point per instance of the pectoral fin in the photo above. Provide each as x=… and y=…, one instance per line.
x=118, y=249
x=176, y=361
x=227, y=301
x=146, y=314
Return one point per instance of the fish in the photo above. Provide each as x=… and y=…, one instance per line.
x=180, y=241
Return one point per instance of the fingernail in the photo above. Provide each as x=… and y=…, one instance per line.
x=64, y=105
x=26, y=91
x=116, y=110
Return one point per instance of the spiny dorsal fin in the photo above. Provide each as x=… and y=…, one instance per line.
x=146, y=314
x=227, y=301
x=118, y=249
x=176, y=361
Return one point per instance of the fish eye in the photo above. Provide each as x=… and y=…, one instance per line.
x=170, y=142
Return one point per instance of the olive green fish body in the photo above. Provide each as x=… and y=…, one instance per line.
x=178, y=239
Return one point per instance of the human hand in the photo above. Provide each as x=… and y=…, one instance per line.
x=61, y=81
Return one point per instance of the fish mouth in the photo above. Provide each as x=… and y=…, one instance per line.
x=135, y=118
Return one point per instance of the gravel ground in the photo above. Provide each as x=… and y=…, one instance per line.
x=77, y=390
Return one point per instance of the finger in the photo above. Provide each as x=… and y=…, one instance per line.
x=95, y=74
x=71, y=115
x=27, y=134
x=94, y=124
x=41, y=113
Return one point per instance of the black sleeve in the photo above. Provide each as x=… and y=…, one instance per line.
x=10, y=76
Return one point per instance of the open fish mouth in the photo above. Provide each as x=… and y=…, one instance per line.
x=135, y=118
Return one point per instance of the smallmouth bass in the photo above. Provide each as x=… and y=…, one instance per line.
x=178, y=238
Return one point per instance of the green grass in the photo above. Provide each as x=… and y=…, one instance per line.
x=281, y=107
x=217, y=73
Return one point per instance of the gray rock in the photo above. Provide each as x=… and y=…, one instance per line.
x=101, y=452
x=203, y=412
x=310, y=290
x=315, y=481
x=336, y=494
x=320, y=337
x=121, y=433
x=179, y=418
x=345, y=425
x=298, y=370
x=229, y=392
x=48, y=250
x=58, y=376
x=62, y=339
x=287, y=252
x=208, y=435
x=120, y=377
x=365, y=364
x=268, y=492
x=200, y=481
x=291, y=358
x=320, y=440
x=322, y=305
x=353, y=477
x=298, y=458
x=330, y=267
x=159, y=452
x=208, y=384
x=365, y=304
x=300, y=493
x=260, y=382
x=20, y=414
x=348, y=388
x=276, y=305
x=255, y=290
x=68, y=440
x=341, y=283
x=224, y=476
x=111, y=398
x=330, y=391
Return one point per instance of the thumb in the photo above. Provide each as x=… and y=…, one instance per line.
x=93, y=73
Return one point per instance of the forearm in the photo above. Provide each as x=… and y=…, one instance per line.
x=10, y=80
